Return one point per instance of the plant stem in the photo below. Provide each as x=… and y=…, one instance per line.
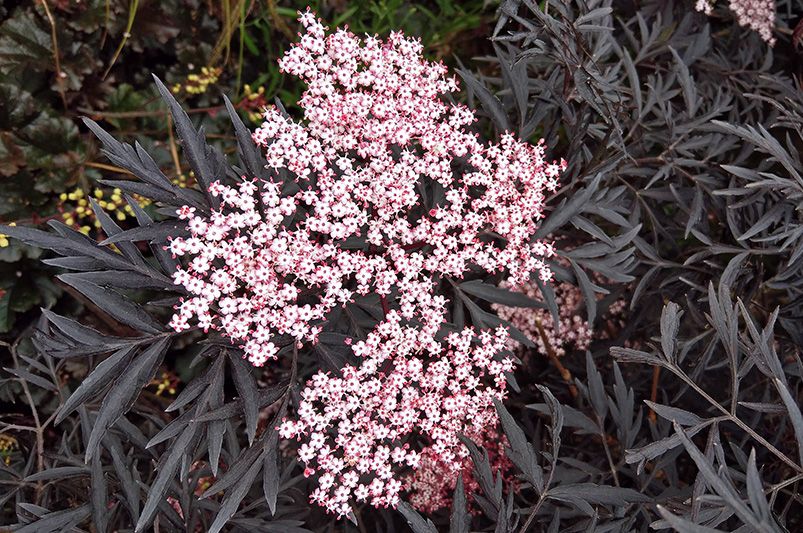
x=40, y=439
x=564, y=372
x=732, y=418
x=56, y=60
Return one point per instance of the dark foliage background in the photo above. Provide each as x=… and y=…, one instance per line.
x=682, y=195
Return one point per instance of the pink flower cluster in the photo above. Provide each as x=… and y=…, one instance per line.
x=573, y=332
x=383, y=190
x=358, y=428
x=376, y=133
x=758, y=15
x=431, y=486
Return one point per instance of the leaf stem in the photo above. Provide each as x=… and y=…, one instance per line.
x=732, y=418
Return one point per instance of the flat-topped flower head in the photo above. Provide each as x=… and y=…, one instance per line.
x=358, y=430
x=380, y=189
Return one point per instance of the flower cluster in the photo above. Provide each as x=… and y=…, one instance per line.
x=758, y=15
x=357, y=427
x=76, y=211
x=382, y=190
x=376, y=134
x=166, y=383
x=198, y=83
x=573, y=331
x=431, y=486
x=253, y=102
x=8, y=445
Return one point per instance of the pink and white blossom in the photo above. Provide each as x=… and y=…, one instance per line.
x=376, y=131
x=382, y=189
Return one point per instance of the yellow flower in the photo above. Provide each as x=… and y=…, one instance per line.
x=8, y=445
x=4, y=238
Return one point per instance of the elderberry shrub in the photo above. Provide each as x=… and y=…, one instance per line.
x=400, y=308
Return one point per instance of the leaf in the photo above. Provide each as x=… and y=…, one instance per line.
x=57, y=521
x=484, y=319
x=670, y=323
x=81, y=333
x=270, y=470
x=201, y=157
x=58, y=472
x=110, y=227
x=147, y=191
x=592, y=15
x=795, y=417
x=167, y=468
x=765, y=142
x=633, y=78
x=675, y=414
x=521, y=451
x=124, y=391
x=125, y=280
x=548, y=293
x=38, y=238
x=194, y=388
x=482, y=469
x=173, y=428
x=564, y=212
x=333, y=356
x=628, y=355
x=243, y=463
x=132, y=433
x=267, y=397
x=556, y=410
x=490, y=103
x=591, y=93
x=108, y=370
x=130, y=488
x=460, y=520
x=165, y=259
x=114, y=304
x=596, y=389
x=572, y=417
x=214, y=436
x=137, y=161
x=686, y=83
x=156, y=232
x=498, y=295
x=755, y=490
x=720, y=486
x=250, y=154
x=660, y=447
x=31, y=378
x=598, y=494
x=99, y=495
x=233, y=497
x=130, y=158
x=772, y=408
x=681, y=525
x=417, y=523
